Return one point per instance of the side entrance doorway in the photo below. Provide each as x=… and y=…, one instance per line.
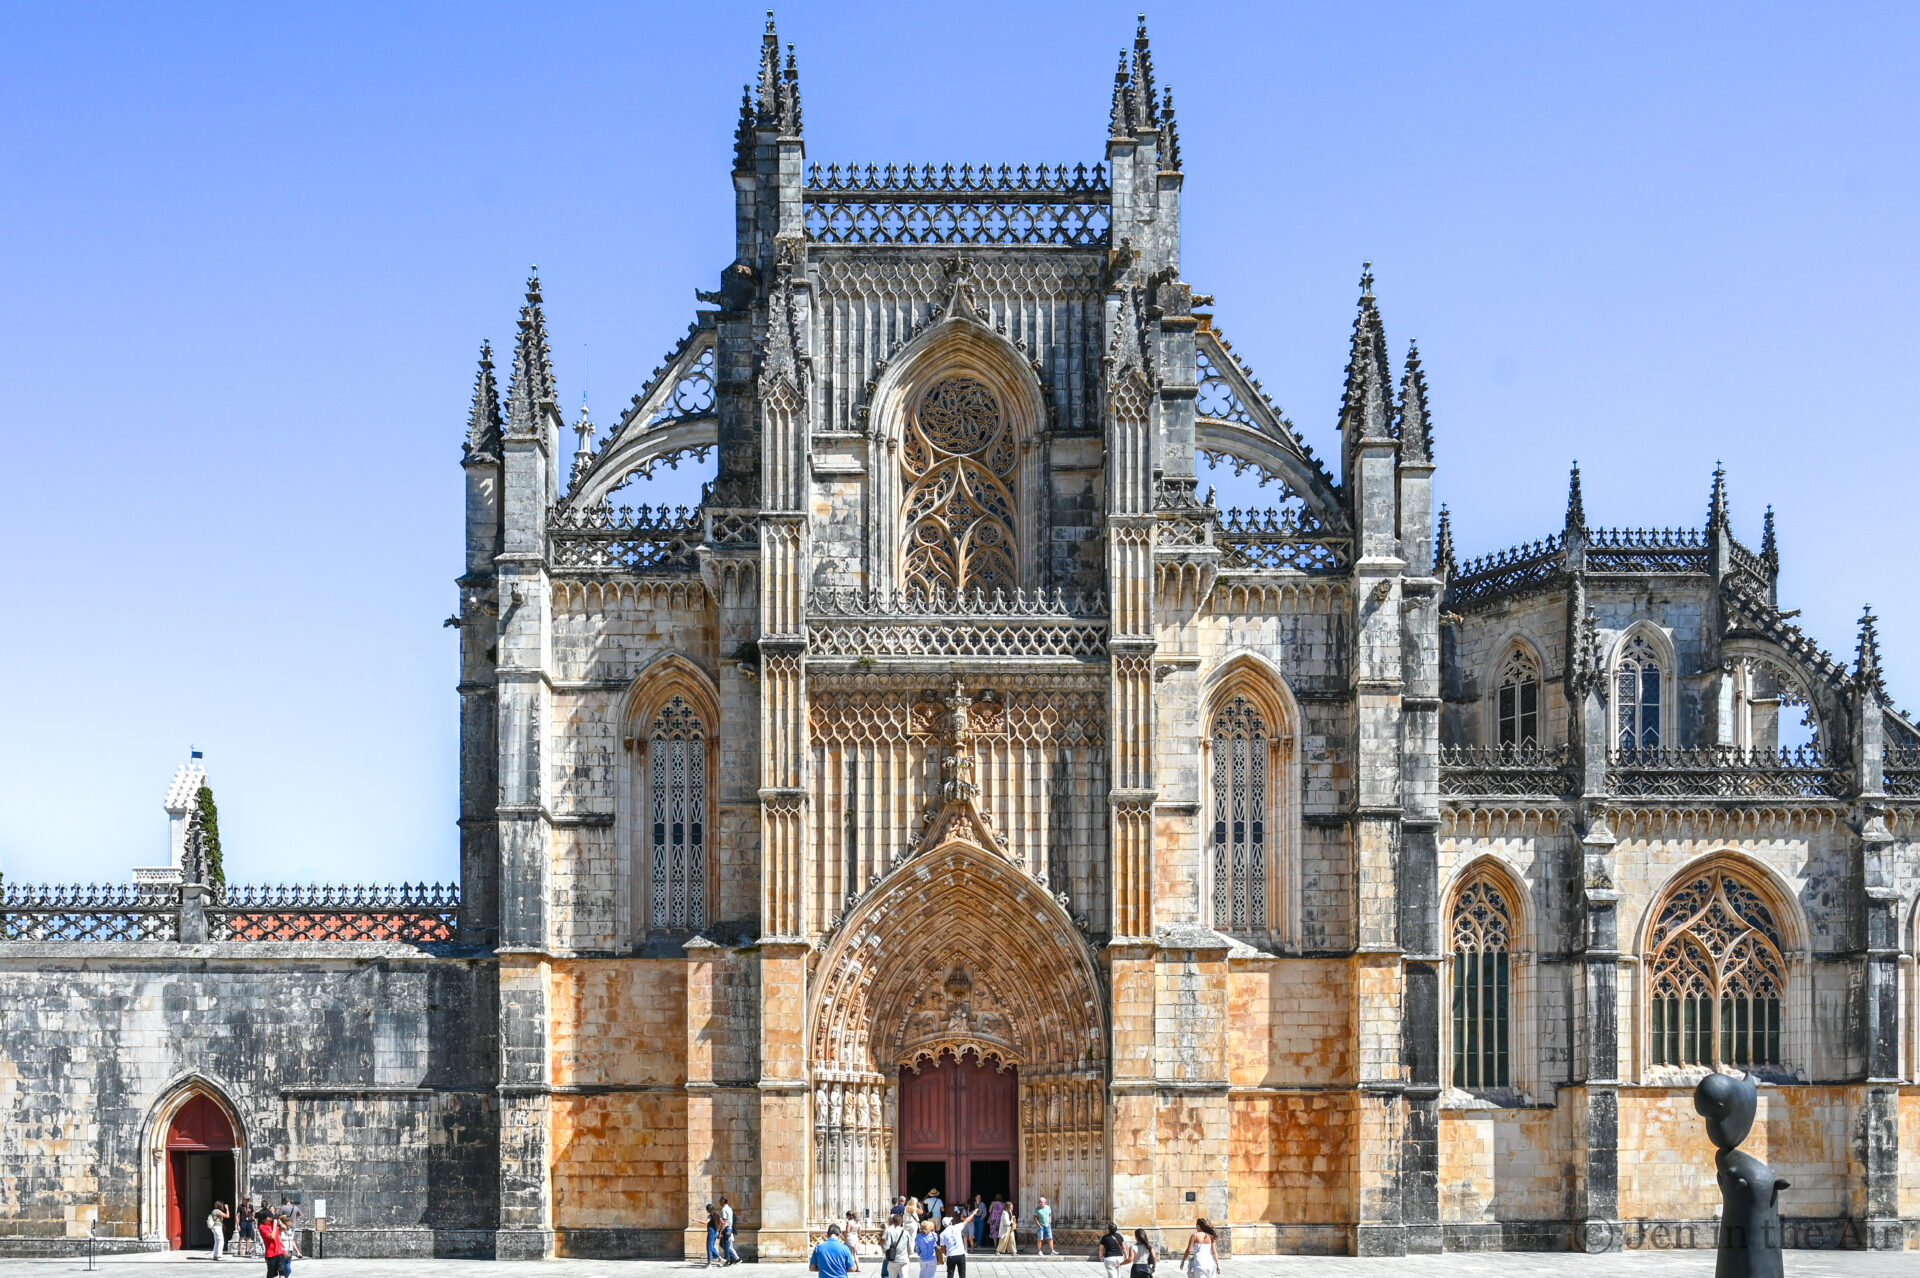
x=959, y=1128
x=200, y=1172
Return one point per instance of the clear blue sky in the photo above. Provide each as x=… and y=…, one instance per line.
x=250, y=250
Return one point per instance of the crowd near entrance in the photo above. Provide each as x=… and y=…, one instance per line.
x=959, y=1128
x=200, y=1171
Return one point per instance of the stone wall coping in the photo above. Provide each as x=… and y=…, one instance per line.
x=174, y=953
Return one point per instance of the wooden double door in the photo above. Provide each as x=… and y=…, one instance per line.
x=960, y=1130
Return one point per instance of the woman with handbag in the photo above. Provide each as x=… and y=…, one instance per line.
x=1009, y=1242
x=1111, y=1250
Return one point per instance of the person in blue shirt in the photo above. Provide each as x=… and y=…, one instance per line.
x=832, y=1258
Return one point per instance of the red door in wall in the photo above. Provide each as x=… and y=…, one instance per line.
x=200, y=1147
x=960, y=1130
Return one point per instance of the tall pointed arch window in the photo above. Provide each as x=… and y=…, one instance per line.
x=1242, y=748
x=1482, y=932
x=1639, y=685
x=1517, y=701
x=1718, y=980
x=958, y=458
x=676, y=818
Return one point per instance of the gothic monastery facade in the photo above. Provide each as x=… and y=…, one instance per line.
x=958, y=798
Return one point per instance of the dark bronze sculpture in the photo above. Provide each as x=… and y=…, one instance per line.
x=1749, y=1193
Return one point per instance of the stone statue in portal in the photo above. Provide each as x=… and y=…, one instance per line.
x=1749, y=1193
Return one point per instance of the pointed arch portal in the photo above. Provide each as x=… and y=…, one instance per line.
x=956, y=1021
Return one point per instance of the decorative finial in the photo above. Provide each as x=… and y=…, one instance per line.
x=1144, y=98
x=1576, y=503
x=1367, y=404
x=1867, y=675
x=1121, y=123
x=1169, y=136
x=483, y=420
x=1415, y=428
x=1717, y=503
x=1366, y=280
x=1770, y=545
x=1443, y=561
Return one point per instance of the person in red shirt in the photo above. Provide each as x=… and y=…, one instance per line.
x=273, y=1247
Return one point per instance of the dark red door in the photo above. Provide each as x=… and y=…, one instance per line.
x=959, y=1119
x=200, y=1147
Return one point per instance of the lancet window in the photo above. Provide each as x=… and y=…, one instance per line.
x=1242, y=746
x=676, y=824
x=1517, y=700
x=1639, y=685
x=958, y=457
x=1717, y=977
x=1482, y=929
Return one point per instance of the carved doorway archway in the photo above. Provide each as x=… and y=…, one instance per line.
x=200, y=1172
x=959, y=983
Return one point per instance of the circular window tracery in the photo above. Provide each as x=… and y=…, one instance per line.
x=958, y=456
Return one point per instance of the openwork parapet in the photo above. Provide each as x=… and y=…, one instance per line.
x=1508, y=572
x=72, y=912
x=969, y=624
x=411, y=912
x=966, y=205
x=1505, y=772
x=1726, y=772
x=1642, y=550
x=1903, y=772
x=1284, y=540
x=638, y=539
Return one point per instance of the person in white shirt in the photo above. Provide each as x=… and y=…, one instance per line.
x=954, y=1239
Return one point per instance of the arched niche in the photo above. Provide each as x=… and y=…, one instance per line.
x=666, y=831
x=1250, y=678
x=958, y=347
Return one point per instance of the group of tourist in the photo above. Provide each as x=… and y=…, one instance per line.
x=267, y=1231
x=921, y=1235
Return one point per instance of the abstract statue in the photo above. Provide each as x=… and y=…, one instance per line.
x=1749, y=1193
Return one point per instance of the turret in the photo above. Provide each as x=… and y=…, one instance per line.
x=1370, y=452
x=1143, y=163
x=1414, y=426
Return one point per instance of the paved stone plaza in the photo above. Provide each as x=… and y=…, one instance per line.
x=1517, y=1264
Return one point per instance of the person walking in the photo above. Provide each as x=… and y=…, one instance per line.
x=977, y=1222
x=1043, y=1230
x=1141, y=1263
x=731, y=1256
x=249, y=1227
x=832, y=1258
x=217, y=1222
x=896, y=1245
x=936, y=1210
x=926, y=1248
x=713, y=1236
x=1113, y=1250
x=1007, y=1242
x=1202, y=1258
x=915, y=1214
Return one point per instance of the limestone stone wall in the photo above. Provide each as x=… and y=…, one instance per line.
x=361, y=1073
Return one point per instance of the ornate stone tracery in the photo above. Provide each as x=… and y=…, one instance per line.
x=959, y=458
x=1717, y=976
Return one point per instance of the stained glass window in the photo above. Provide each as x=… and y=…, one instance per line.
x=1482, y=927
x=1240, y=758
x=677, y=818
x=958, y=457
x=1717, y=977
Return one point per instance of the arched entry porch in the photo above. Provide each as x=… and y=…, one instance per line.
x=958, y=981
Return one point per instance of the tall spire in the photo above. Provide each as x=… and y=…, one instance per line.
x=1444, y=563
x=1169, y=136
x=483, y=421
x=1144, y=102
x=1867, y=675
x=1120, y=125
x=743, y=139
x=1576, y=503
x=1770, y=545
x=1367, y=402
x=532, y=385
x=1416, y=429
x=1717, y=503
